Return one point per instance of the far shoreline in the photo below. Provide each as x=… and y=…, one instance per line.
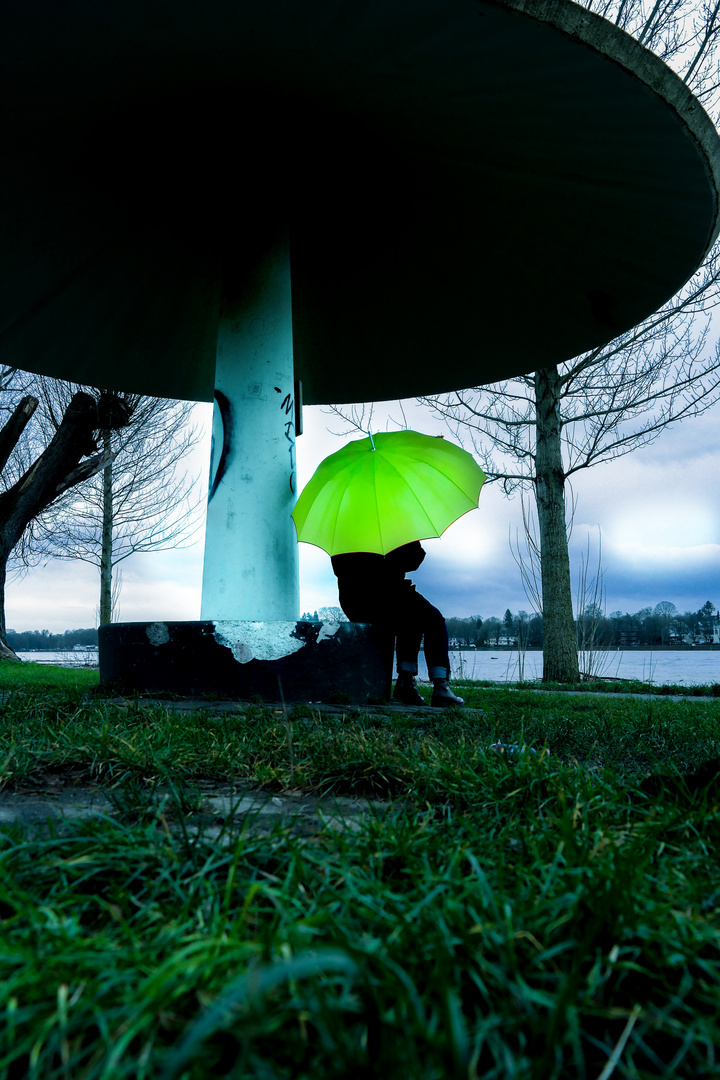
x=712, y=647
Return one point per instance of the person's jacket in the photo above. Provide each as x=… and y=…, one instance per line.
x=368, y=582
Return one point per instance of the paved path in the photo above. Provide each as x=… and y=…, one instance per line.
x=620, y=694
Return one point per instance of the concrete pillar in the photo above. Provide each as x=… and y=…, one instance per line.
x=250, y=570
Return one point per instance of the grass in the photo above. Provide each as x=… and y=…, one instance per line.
x=516, y=915
x=633, y=686
x=38, y=677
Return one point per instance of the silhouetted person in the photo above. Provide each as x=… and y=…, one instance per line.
x=374, y=589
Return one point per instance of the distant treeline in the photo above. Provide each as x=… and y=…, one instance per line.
x=651, y=626
x=661, y=625
x=32, y=640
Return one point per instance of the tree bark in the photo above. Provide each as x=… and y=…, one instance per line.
x=14, y=427
x=560, y=658
x=106, y=552
x=59, y=466
x=6, y=653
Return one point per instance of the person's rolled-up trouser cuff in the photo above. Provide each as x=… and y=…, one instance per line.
x=408, y=667
x=439, y=672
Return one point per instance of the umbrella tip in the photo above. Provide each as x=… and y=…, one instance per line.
x=372, y=444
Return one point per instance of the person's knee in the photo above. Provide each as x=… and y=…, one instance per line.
x=434, y=616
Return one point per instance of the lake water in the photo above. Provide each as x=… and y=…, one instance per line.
x=85, y=658
x=684, y=667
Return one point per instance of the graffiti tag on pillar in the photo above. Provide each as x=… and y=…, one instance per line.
x=288, y=406
x=225, y=416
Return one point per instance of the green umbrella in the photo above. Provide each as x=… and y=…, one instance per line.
x=387, y=490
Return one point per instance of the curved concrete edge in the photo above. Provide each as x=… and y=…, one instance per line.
x=617, y=45
x=291, y=661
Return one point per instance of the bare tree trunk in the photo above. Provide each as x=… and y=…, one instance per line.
x=6, y=653
x=560, y=659
x=14, y=427
x=106, y=552
x=58, y=468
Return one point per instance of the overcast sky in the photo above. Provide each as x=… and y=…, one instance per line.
x=658, y=510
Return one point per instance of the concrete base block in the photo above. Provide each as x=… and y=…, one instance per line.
x=300, y=661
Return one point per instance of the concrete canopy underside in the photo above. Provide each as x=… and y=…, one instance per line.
x=472, y=189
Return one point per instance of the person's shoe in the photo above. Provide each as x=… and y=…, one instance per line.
x=442, y=695
x=405, y=690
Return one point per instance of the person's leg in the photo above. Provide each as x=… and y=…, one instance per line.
x=407, y=647
x=432, y=623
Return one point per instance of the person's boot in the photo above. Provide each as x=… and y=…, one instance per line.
x=442, y=695
x=405, y=690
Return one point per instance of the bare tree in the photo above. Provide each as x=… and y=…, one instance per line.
x=537, y=431
x=142, y=500
x=35, y=474
x=614, y=399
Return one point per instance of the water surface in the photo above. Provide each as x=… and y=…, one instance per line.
x=685, y=667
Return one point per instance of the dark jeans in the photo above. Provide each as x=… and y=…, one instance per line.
x=409, y=617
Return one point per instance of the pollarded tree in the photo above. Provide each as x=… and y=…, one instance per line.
x=142, y=500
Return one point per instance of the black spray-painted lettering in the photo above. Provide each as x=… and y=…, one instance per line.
x=226, y=420
x=288, y=405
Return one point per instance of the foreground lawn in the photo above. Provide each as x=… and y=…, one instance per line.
x=512, y=914
x=27, y=675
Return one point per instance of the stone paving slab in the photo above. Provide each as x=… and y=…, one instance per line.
x=211, y=807
x=191, y=705
x=231, y=705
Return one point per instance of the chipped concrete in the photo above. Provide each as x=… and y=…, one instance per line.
x=257, y=640
x=158, y=633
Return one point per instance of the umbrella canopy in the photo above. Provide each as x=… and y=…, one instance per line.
x=387, y=490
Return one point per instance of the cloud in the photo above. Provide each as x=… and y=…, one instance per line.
x=66, y=595
x=640, y=575
x=60, y=596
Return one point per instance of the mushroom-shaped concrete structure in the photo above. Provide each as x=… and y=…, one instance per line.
x=380, y=199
